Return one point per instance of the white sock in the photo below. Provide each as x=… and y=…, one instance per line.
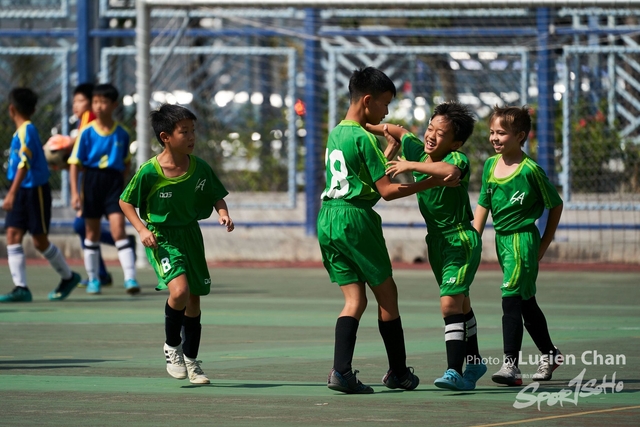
x=92, y=258
x=57, y=261
x=127, y=258
x=17, y=265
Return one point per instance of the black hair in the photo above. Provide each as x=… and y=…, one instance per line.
x=460, y=116
x=165, y=118
x=369, y=81
x=513, y=119
x=84, y=89
x=24, y=100
x=106, y=90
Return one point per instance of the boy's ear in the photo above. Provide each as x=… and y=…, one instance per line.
x=456, y=145
x=366, y=100
x=164, y=137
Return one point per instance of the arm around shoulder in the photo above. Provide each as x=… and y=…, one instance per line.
x=391, y=191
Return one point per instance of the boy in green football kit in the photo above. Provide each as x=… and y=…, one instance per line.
x=350, y=232
x=173, y=191
x=454, y=246
x=516, y=190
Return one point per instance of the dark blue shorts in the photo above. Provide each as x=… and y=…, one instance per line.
x=31, y=210
x=101, y=192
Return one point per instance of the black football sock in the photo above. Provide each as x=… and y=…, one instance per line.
x=173, y=325
x=473, y=353
x=454, y=337
x=345, y=345
x=512, y=329
x=536, y=325
x=393, y=337
x=192, y=333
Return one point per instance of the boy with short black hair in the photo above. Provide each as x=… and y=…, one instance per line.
x=28, y=202
x=453, y=245
x=516, y=191
x=173, y=191
x=350, y=232
x=81, y=108
x=102, y=150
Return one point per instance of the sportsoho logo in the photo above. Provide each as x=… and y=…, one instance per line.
x=528, y=397
x=578, y=387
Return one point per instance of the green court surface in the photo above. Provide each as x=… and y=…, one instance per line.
x=267, y=346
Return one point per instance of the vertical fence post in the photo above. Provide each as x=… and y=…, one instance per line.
x=143, y=77
x=312, y=72
x=546, y=66
x=84, y=58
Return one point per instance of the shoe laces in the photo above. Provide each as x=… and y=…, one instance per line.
x=510, y=366
x=175, y=357
x=544, y=364
x=408, y=381
x=194, y=365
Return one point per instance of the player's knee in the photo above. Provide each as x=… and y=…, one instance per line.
x=41, y=242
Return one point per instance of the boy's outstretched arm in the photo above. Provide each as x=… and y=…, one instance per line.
x=480, y=218
x=443, y=170
x=394, y=130
x=223, y=212
x=146, y=237
x=392, y=191
x=550, y=230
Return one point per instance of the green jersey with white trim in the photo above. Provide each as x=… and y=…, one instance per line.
x=519, y=199
x=354, y=162
x=441, y=207
x=174, y=202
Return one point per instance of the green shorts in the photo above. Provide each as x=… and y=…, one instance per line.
x=352, y=245
x=518, y=257
x=180, y=251
x=454, y=257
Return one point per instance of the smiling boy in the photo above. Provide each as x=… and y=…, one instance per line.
x=454, y=247
x=516, y=190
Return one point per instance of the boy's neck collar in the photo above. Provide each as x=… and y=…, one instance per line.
x=20, y=121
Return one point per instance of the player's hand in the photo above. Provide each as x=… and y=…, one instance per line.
x=75, y=202
x=7, y=204
x=226, y=220
x=148, y=239
x=390, y=139
x=395, y=167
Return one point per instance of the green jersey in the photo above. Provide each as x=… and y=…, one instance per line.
x=519, y=199
x=442, y=207
x=354, y=162
x=174, y=202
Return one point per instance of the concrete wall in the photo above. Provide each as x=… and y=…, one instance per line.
x=405, y=244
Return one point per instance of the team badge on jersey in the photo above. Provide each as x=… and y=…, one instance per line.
x=517, y=197
x=200, y=185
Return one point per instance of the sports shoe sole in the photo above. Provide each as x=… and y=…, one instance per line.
x=447, y=385
x=133, y=291
x=506, y=381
